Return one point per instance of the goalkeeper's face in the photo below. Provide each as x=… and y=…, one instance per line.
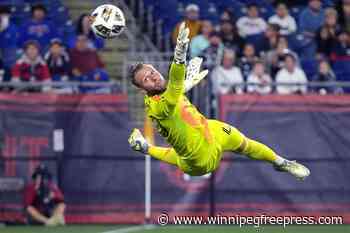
x=150, y=80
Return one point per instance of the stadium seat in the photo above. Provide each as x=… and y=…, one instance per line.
x=170, y=21
x=295, y=12
x=342, y=71
x=13, y=2
x=342, y=67
x=38, y=1
x=19, y=14
x=151, y=2
x=68, y=30
x=200, y=3
x=233, y=5
x=9, y=56
x=165, y=8
x=328, y=3
x=210, y=14
x=310, y=67
x=255, y=40
x=267, y=11
x=294, y=42
x=343, y=77
x=59, y=15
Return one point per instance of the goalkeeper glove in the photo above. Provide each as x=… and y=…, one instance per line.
x=138, y=142
x=193, y=76
x=181, y=44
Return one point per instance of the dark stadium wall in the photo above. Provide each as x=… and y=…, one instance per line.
x=312, y=129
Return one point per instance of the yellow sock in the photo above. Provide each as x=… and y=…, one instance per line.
x=258, y=151
x=165, y=154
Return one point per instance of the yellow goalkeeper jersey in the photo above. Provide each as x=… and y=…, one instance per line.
x=183, y=126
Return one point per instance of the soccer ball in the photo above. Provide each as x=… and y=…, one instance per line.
x=107, y=21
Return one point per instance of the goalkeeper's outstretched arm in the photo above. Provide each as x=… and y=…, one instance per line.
x=177, y=71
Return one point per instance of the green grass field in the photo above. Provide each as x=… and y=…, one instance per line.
x=175, y=229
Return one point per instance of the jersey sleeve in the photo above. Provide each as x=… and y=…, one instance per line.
x=162, y=106
x=57, y=194
x=29, y=195
x=176, y=83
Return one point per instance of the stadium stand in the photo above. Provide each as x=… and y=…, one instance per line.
x=61, y=19
x=166, y=14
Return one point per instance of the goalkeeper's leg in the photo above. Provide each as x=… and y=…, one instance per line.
x=139, y=143
x=233, y=140
x=165, y=154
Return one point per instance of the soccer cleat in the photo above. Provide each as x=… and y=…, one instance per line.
x=138, y=142
x=296, y=169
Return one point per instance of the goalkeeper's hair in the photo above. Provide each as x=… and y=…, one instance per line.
x=133, y=69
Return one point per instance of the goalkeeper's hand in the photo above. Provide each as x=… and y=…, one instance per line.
x=137, y=142
x=181, y=44
x=193, y=76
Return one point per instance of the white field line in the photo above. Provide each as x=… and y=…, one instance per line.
x=132, y=229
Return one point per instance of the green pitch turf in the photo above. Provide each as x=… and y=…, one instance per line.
x=176, y=229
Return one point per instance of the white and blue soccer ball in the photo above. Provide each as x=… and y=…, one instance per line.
x=107, y=21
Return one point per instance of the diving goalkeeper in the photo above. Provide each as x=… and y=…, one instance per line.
x=197, y=143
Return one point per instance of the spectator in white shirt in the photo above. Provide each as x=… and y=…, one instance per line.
x=259, y=79
x=284, y=20
x=251, y=24
x=226, y=76
x=291, y=74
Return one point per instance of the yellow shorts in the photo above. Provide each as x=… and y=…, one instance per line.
x=226, y=138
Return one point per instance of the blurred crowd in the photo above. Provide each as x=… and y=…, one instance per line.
x=249, y=48
x=35, y=51
x=255, y=50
